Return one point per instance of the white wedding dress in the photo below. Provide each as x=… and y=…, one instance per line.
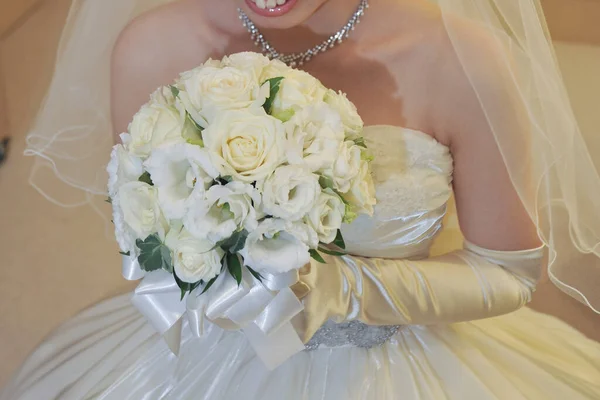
x=111, y=352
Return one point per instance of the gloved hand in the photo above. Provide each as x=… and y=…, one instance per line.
x=463, y=285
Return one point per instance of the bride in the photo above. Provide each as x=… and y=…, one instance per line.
x=460, y=98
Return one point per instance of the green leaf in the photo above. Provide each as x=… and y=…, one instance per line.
x=235, y=267
x=174, y=90
x=285, y=115
x=125, y=254
x=185, y=287
x=209, y=284
x=154, y=255
x=224, y=180
x=145, y=177
x=193, y=121
x=331, y=252
x=226, y=212
x=197, y=142
x=339, y=240
x=235, y=242
x=255, y=274
x=360, y=141
x=315, y=254
x=325, y=182
x=274, y=84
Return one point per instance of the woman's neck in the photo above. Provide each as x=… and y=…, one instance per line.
x=328, y=19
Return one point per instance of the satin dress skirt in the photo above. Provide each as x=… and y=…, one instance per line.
x=111, y=352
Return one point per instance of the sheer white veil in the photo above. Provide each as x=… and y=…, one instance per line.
x=540, y=140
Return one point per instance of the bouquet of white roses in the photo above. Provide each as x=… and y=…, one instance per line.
x=241, y=163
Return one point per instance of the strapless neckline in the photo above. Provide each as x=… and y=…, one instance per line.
x=412, y=173
x=410, y=131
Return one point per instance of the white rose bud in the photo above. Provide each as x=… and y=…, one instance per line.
x=194, y=259
x=157, y=124
x=222, y=210
x=278, y=246
x=138, y=203
x=353, y=123
x=176, y=171
x=314, y=135
x=122, y=168
x=327, y=215
x=248, y=145
x=290, y=192
x=361, y=195
x=346, y=166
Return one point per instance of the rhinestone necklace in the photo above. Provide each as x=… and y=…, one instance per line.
x=295, y=59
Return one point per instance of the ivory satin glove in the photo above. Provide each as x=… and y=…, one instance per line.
x=468, y=284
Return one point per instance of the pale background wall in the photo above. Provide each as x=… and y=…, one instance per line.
x=55, y=262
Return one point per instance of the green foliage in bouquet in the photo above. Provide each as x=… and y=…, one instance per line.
x=154, y=254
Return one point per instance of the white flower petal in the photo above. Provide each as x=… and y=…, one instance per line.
x=277, y=246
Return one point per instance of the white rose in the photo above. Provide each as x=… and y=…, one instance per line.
x=248, y=145
x=222, y=210
x=274, y=69
x=208, y=90
x=278, y=246
x=361, y=195
x=346, y=166
x=297, y=90
x=353, y=123
x=122, y=168
x=157, y=124
x=248, y=61
x=138, y=204
x=327, y=215
x=194, y=259
x=290, y=192
x=314, y=135
x=176, y=171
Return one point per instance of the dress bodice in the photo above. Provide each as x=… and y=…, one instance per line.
x=412, y=173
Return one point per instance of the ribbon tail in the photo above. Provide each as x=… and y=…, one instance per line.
x=272, y=334
x=173, y=337
x=196, y=308
x=275, y=348
x=131, y=268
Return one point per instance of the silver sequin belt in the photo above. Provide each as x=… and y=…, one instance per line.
x=351, y=334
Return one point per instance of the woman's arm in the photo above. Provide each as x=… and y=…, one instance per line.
x=490, y=212
x=499, y=267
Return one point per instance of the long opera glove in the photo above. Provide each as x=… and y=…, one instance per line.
x=463, y=285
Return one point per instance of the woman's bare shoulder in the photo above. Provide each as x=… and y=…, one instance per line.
x=151, y=51
x=468, y=57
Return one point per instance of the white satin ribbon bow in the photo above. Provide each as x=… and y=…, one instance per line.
x=262, y=310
